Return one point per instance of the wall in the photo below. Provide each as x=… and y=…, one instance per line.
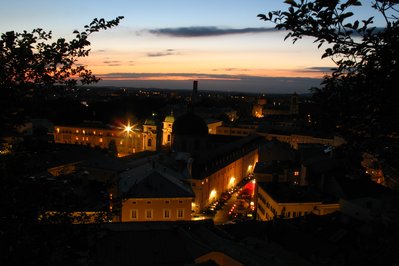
x=158, y=207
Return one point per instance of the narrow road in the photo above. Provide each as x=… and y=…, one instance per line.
x=222, y=215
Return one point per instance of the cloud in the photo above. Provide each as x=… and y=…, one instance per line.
x=112, y=63
x=318, y=69
x=230, y=69
x=201, y=31
x=167, y=76
x=163, y=53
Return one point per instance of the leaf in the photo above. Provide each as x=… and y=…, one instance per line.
x=291, y=2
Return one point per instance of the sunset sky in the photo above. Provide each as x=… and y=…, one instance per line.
x=168, y=43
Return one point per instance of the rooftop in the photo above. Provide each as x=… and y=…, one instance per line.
x=158, y=185
x=289, y=193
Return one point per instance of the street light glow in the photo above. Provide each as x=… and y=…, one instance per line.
x=128, y=128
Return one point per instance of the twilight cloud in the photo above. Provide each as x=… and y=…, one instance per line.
x=200, y=31
x=163, y=53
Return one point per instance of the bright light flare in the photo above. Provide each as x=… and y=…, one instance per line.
x=128, y=128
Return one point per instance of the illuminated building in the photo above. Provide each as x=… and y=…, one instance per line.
x=126, y=140
x=212, y=164
x=287, y=201
x=150, y=135
x=157, y=197
x=167, y=130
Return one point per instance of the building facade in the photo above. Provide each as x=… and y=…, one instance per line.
x=157, y=197
x=124, y=140
x=280, y=200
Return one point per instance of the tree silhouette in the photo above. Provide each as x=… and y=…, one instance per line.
x=360, y=95
x=30, y=61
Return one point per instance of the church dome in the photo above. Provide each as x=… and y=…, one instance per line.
x=190, y=124
x=169, y=119
x=150, y=122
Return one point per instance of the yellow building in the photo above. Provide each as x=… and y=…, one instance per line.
x=157, y=197
x=211, y=163
x=125, y=140
x=150, y=135
x=167, y=130
x=282, y=200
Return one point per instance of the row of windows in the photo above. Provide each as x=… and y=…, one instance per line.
x=82, y=131
x=149, y=214
x=149, y=202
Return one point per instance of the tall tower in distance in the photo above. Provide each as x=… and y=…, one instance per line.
x=194, y=95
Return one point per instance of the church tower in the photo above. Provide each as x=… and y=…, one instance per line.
x=150, y=135
x=167, y=130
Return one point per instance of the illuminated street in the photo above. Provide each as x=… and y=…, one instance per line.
x=222, y=216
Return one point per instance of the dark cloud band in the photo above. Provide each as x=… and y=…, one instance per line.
x=206, y=31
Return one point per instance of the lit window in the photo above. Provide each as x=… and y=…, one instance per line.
x=296, y=173
x=121, y=142
x=77, y=131
x=166, y=213
x=101, y=140
x=180, y=213
x=134, y=214
x=76, y=138
x=58, y=130
x=148, y=213
x=94, y=132
x=84, y=131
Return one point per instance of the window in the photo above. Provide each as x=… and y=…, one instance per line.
x=168, y=138
x=148, y=213
x=293, y=214
x=166, y=213
x=149, y=142
x=288, y=214
x=299, y=213
x=134, y=214
x=148, y=202
x=180, y=201
x=180, y=213
x=133, y=202
x=166, y=201
x=101, y=140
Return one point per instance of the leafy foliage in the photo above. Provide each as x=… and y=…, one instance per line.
x=359, y=96
x=29, y=60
